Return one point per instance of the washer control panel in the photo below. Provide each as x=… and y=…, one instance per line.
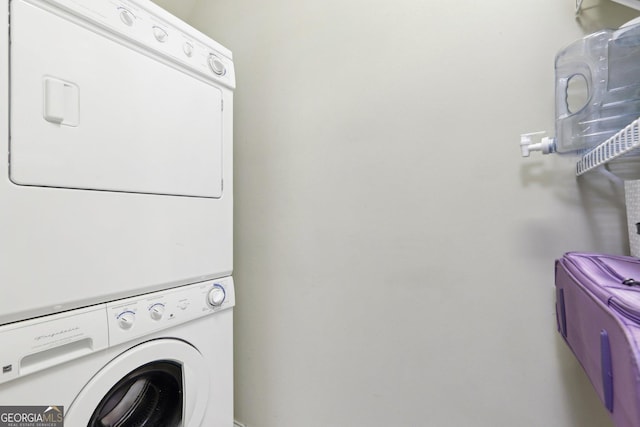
x=41, y=343
x=137, y=316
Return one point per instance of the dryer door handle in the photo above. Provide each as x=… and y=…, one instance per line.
x=61, y=102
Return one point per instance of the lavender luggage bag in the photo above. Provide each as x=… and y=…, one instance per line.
x=598, y=313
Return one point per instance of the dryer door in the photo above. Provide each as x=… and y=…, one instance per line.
x=157, y=383
x=93, y=109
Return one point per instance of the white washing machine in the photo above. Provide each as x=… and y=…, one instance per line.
x=116, y=124
x=162, y=359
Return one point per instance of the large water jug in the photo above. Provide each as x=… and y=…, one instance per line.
x=597, y=87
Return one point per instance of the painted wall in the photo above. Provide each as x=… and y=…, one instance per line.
x=394, y=254
x=180, y=8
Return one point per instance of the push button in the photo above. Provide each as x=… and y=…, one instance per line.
x=187, y=48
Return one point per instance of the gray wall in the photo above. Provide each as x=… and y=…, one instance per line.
x=394, y=254
x=180, y=8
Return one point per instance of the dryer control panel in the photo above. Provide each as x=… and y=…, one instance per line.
x=142, y=315
x=150, y=28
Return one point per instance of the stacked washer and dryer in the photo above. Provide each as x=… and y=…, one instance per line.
x=116, y=293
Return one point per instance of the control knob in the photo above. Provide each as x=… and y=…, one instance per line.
x=156, y=311
x=126, y=16
x=216, y=65
x=126, y=320
x=160, y=34
x=187, y=48
x=216, y=295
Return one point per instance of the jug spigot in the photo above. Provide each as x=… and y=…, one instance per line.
x=546, y=145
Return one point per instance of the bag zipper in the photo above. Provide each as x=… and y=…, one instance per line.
x=629, y=311
x=626, y=310
x=628, y=281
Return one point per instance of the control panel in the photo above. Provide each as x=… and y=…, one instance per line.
x=40, y=343
x=144, y=25
x=137, y=316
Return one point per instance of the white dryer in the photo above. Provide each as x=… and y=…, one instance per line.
x=162, y=359
x=116, y=124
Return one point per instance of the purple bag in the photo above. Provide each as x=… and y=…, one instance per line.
x=598, y=314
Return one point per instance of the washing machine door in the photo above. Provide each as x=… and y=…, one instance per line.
x=158, y=383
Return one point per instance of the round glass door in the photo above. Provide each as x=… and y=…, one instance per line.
x=150, y=395
x=158, y=383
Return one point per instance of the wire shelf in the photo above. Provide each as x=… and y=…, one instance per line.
x=623, y=142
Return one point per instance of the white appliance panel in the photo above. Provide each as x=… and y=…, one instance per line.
x=90, y=111
x=64, y=248
x=190, y=332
